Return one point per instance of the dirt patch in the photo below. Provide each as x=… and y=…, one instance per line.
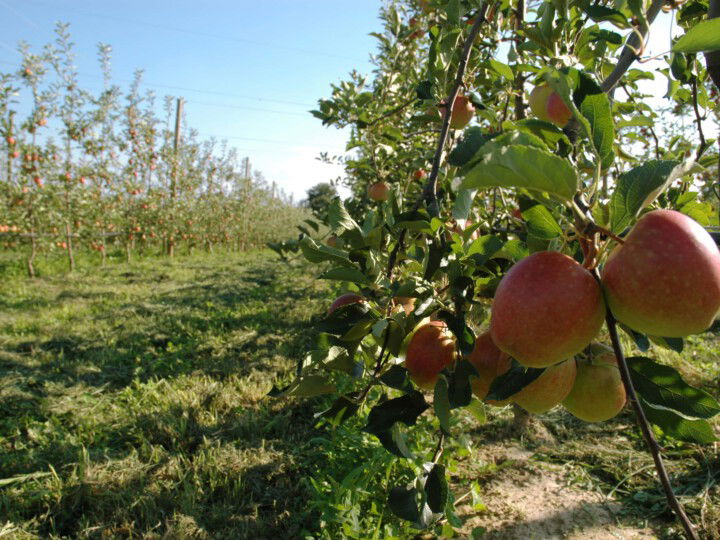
x=525, y=498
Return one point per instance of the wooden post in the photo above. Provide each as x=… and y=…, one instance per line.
x=173, y=181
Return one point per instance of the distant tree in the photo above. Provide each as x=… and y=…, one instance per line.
x=319, y=197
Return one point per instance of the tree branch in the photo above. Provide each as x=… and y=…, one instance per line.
x=430, y=191
x=629, y=54
x=712, y=59
x=645, y=428
x=698, y=121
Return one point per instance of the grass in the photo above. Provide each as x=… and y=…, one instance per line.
x=133, y=401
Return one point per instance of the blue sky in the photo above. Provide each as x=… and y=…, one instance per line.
x=227, y=59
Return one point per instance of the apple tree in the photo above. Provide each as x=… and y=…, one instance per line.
x=515, y=210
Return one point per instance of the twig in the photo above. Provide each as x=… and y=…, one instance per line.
x=393, y=111
x=645, y=428
x=430, y=191
x=628, y=55
x=698, y=120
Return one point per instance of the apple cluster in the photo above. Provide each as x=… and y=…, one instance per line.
x=662, y=280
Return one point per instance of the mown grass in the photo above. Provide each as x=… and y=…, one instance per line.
x=133, y=406
x=132, y=400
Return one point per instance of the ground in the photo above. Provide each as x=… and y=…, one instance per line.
x=134, y=406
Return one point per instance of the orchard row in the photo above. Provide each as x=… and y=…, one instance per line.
x=97, y=171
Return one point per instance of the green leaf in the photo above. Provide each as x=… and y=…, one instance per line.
x=403, y=503
x=436, y=489
x=405, y=409
x=393, y=440
x=594, y=105
x=342, y=408
x=511, y=382
x=477, y=409
x=306, y=386
x=602, y=13
x=472, y=139
x=675, y=426
x=397, y=377
x=547, y=132
x=662, y=385
x=346, y=274
x=640, y=186
x=441, y=403
x=339, y=218
x=541, y=223
x=703, y=37
x=463, y=203
x=315, y=253
x=673, y=344
x=517, y=166
x=460, y=389
x=502, y=69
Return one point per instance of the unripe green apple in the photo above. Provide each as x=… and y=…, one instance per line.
x=430, y=350
x=546, y=309
x=549, y=389
x=379, y=191
x=665, y=279
x=547, y=105
x=490, y=362
x=344, y=300
x=598, y=393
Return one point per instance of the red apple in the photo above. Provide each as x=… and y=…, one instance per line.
x=547, y=308
x=549, y=389
x=430, y=349
x=15, y=154
x=419, y=174
x=379, y=191
x=11, y=141
x=463, y=111
x=344, y=300
x=665, y=279
x=547, y=105
x=598, y=393
x=490, y=362
x=38, y=181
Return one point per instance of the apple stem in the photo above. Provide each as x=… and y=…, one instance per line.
x=645, y=428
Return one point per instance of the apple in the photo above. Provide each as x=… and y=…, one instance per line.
x=38, y=181
x=463, y=111
x=546, y=309
x=82, y=180
x=379, y=191
x=490, y=362
x=547, y=105
x=549, y=389
x=15, y=154
x=419, y=174
x=665, y=279
x=407, y=303
x=598, y=393
x=344, y=300
x=11, y=141
x=429, y=351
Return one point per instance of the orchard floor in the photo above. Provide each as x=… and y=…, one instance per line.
x=133, y=406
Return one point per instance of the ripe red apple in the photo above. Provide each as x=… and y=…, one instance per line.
x=38, y=181
x=11, y=141
x=419, y=174
x=463, y=111
x=15, y=154
x=598, y=393
x=490, y=362
x=549, y=389
x=42, y=121
x=344, y=300
x=547, y=308
x=379, y=191
x=665, y=279
x=547, y=105
x=82, y=180
x=430, y=349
